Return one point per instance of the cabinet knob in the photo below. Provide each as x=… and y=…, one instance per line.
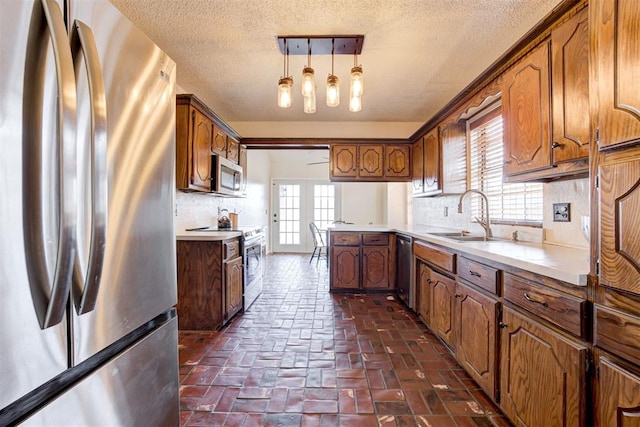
x=502, y=325
x=457, y=295
x=556, y=145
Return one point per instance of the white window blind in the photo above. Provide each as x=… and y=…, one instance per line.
x=508, y=203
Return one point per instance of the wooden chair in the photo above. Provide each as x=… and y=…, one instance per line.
x=318, y=243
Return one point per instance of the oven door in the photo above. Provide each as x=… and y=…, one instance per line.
x=253, y=270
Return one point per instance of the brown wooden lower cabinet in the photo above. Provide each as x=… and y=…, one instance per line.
x=209, y=283
x=233, y=287
x=542, y=374
x=361, y=261
x=442, y=320
x=618, y=395
x=477, y=339
x=423, y=298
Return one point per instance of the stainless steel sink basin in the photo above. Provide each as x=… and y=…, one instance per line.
x=460, y=238
x=449, y=234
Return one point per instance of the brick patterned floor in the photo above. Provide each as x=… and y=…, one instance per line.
x=301, y=356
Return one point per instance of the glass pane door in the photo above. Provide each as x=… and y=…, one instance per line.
x=295, y=203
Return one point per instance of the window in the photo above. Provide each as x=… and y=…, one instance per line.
x=323, y=204
x=508, y=203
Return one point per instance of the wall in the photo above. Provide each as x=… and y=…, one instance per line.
x=197, y=210
x=431, y=211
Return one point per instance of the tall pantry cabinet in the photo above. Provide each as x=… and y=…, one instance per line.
x=615, y=170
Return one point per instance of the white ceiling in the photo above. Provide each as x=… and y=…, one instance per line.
x=417, y=55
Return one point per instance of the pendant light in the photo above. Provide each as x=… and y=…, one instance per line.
x=333, y=84
x=308, y=84
x=356, y=86
x=285, y=84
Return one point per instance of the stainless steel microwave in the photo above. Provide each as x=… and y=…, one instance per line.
x=226, y=176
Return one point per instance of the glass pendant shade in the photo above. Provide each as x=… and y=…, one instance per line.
x=310, y=102
x=308, y=84
x=357, y=84
x=284, y=92
x=333, y=91
x=355, y=104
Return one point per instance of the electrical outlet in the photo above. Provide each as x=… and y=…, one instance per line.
x=446, y=211
x=561, y=212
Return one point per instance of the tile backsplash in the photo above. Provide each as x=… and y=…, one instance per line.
x=443, y=211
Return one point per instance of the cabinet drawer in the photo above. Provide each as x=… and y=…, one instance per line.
x=231, y=249
x=345, y=239
x=565, y=311
x=441, y=259
x=617, y=332
x=375, y=239
x=479, y=274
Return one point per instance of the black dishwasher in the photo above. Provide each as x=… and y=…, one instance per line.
x=405, y=281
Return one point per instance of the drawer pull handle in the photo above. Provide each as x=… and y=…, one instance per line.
x=537, y=301
x=475, y=273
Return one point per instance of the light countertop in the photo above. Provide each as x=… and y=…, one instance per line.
x=568, y=264
x=211, y=235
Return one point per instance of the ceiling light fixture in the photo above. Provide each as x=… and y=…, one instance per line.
x=356, y=87
x=308, y=84
x=285, y=84
x=321, y=45
x=333, y=84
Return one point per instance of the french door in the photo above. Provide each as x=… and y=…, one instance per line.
x=295, y=203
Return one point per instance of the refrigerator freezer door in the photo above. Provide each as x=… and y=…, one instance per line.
x=138, y=273
x=29, y=355
x=146, y=380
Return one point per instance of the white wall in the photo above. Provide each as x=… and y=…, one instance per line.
x=197, y=210
x=431, y=210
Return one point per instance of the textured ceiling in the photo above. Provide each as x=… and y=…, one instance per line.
x=417, y=54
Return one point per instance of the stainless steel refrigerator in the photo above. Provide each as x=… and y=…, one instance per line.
x=88, y=330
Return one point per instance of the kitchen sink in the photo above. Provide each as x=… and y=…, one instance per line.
x=450, y=234
x=460, y=238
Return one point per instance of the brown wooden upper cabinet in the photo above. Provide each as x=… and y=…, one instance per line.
x=617, y=78
x=370, y=162
x=570, y=89
x=194, y=137
x=426, y=164
x=546, y=109
x=199, y=134
x=242, y=161
x=219, y=142
x=526, y=113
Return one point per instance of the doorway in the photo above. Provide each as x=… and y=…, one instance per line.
x=295, y=203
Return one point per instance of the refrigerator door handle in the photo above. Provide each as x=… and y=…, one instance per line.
x=49, y=294
x=86, y=285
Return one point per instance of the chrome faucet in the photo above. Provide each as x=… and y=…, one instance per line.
x=484, y=223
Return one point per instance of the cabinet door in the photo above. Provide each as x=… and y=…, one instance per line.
x=219, y=142
x=432, y=162
x=396, y=159
x=344, y=161
x=233, y=147
x=570, y=68
x=424, y=292
x=618, y=396
x=345, y=267
x=619, y=224
x=370, y=161
x=526, y=113
x=454, y=158
x=375, y=267
x=442, y=319
x=201, y=139
x=233, y=287
x=542, y=374
x=242, y=161
x=476, y=347
x=417, y=166
x=614, y=25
